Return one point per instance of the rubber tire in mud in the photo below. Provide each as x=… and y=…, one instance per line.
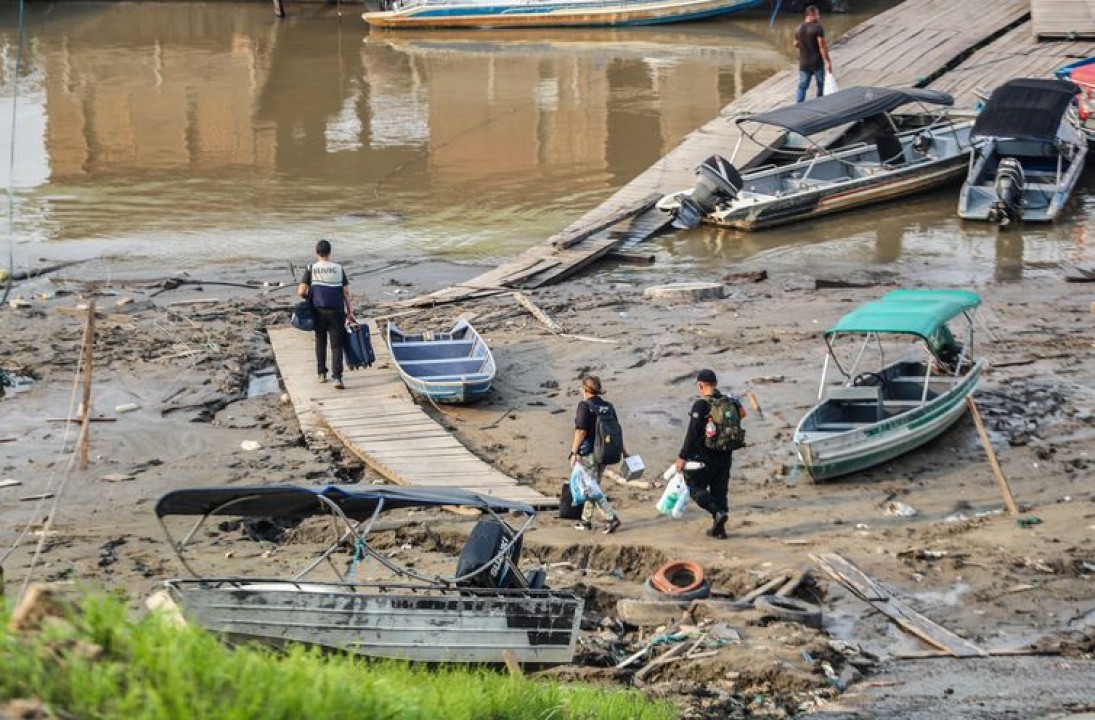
x=704, y=590
x=668, y=578
x=785, y=608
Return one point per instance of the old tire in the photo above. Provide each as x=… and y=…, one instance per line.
x=680, y=576
x=785, y=608
x=700, y=592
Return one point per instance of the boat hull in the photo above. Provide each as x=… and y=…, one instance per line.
x=827, y=455
x=449, y=367
x=591, y=13
x=1041, y=201
x=841, y=197
x=436, y=625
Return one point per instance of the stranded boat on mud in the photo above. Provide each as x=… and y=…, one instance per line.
x=1030, y=153
x=547, y=13
x=454, y=366
x=892, y=161
x=880, y=414
x=487, y=610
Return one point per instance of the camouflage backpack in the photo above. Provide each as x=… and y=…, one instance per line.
x=724, y=414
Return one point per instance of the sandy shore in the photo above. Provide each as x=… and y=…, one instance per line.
x=185, y=358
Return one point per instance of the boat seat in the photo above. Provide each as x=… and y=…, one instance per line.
x=435, y=370
x=836, y=426
x=865, y=395
x=890, y=150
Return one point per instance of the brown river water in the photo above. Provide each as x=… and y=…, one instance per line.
x=189, y=134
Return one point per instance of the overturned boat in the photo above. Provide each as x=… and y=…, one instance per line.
x=881, y=156
x=879, y=413
x=1030, y=153
x=485, y=611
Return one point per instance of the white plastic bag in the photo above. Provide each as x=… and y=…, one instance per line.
x=583, y=486
x=830, y=84
x=675, y=497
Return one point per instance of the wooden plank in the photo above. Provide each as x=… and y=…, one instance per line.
x=1063, y=19
x=571, y=237
x=857, y=581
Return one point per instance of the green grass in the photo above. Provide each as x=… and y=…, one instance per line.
x=102, y=664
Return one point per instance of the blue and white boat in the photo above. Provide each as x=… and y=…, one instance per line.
x=1029, y=153
x=547, y=13
x=454, y=366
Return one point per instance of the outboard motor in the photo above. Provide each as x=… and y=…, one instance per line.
x=719, y=181
x=1009, y=192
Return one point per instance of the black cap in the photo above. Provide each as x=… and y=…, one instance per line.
x=707, y=376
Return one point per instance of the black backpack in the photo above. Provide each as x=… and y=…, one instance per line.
x=608, y=436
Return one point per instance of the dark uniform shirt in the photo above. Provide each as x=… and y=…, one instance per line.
x=586, y=419
x=809, y=51
x=694, y=447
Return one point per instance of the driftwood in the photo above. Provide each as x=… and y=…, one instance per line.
x=538, y=313
x=753, y=276
x=633, y=258
x=764, y=589
x=867, y=590
x=791, y=585
x=175, y=283
x=45, y=270
x=1005, y=489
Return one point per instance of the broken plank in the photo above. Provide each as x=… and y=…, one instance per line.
x=566, y=238
x=537, y=312
x=857, y=581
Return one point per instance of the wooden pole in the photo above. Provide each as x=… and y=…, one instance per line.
x=85, y=424
x=1009, y=501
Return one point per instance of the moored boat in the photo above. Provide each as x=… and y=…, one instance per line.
x=1082, y=73
x=883, y=156
x=877, y=415
x=548, y=13
x=1030, y=153
x=484, y=612
x=454, y=366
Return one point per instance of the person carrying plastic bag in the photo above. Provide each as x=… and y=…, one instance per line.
x=598, y=441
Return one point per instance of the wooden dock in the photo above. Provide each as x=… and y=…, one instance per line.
x=912, y=44
x=377, y=420
x=1063, y=19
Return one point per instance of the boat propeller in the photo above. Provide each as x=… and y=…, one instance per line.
x=1009, y=192
x=719, y=181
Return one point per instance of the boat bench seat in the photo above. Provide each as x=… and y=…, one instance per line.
x=412, y=351
x=865, y=396
x=440, y=369
x=836, y=426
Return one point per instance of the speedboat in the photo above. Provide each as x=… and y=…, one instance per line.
x=1082, y=73
x=1030, y=153
x=351, y=594
x=883, y=155
x=875, y=415
x=547, y=13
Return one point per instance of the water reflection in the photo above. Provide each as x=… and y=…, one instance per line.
x=203, y=132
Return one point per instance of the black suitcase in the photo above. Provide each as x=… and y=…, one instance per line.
x=567, y=509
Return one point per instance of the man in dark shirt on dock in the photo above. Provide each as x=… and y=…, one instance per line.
x=813, y=53
x=325, y=284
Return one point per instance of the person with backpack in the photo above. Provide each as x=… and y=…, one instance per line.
x=598, y=442
x=714, y=432
x=326, y=285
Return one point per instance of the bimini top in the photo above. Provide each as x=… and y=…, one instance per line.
x=908, y=312
x=1027, y=108
x=357, y=504
x=843, y=107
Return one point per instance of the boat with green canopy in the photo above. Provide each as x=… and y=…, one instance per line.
x=875, y=415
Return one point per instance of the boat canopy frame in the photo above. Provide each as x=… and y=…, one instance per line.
x=920, y=313
x=356, y=509
x=1026, y=109
x=843, y=107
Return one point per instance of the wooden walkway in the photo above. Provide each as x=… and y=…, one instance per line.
x=912, y=44
x=1015, y=54
x=377, y=420
x=1063, y=19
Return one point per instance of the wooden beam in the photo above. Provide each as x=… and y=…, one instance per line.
x=857, y=581
x=566, y=239
x=1005, y=490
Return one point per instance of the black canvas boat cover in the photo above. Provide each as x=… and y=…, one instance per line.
x=291, y=500
x=1026, y=108
x=843, y=107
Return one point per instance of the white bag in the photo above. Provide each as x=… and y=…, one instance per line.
x=830, y=84
x=675, y=497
